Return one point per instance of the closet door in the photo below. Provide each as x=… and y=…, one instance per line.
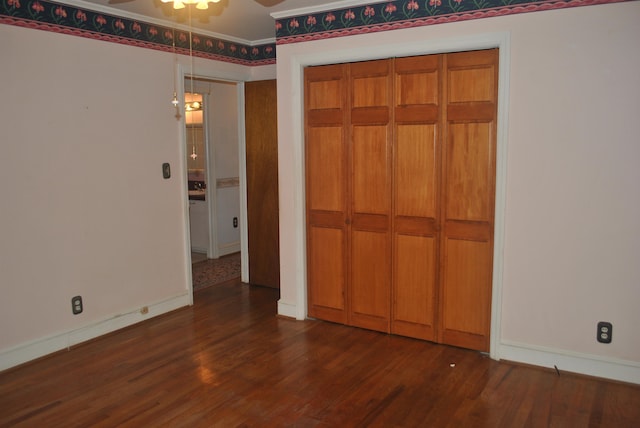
x=468, y=198
x=400, y=195
x=416, y=220
x=326, y=152
x=370, y=166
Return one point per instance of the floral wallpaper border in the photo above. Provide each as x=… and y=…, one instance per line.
x=397, y=14
x=374, y=17
x=66, y=19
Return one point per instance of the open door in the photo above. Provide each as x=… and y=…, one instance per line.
x=262, y=182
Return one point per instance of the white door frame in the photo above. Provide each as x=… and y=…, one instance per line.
x=182, y=74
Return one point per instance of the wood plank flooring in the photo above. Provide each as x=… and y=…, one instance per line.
x=230, y=361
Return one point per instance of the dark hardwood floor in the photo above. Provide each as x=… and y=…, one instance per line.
x=229, y=361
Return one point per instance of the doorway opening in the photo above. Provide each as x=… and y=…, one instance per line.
x=212, y=151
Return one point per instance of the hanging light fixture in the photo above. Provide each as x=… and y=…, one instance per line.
x=175, y=101
x=191, y=106
x=194, y=154
x=200, y=4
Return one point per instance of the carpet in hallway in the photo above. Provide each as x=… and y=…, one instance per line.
x=215, y=271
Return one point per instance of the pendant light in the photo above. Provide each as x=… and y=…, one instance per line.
x=175, y=101
x=194, y=154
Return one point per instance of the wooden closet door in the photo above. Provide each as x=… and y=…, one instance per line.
x=262, y=182
x=370, y=166
x=468, y=198
x=326, y=153
x=416, y=196
x=400, y=195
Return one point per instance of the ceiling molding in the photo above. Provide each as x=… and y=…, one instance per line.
x=323, y=8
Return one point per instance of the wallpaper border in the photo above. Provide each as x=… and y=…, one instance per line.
x=66, y=19
x=400, y=14
x=371, y=18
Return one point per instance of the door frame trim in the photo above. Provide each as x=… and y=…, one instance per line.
x=500, y=40
x=215, y=75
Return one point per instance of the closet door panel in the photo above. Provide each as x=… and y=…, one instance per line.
x=370, y=194
x=469, y=172
x=417, y=80
x=415, y=231
x=467, y=296
x=326, y=149
x=415, y=179
x=326, y=215
x=326, y=274
x=468, y=198
x=325, y=171
x=324, y=87
x=370, y=84
x=416, y=196
x=472, y=76
x=370, y=170
x=370, y=294
x=414, y=285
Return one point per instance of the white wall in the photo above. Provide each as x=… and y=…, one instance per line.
x=86, y=126
x=571, y=235
x=264, y=72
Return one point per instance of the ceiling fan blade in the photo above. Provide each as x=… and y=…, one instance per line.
x=268, y=3
x=119, y=1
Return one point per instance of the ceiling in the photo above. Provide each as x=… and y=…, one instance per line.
x=247, y=20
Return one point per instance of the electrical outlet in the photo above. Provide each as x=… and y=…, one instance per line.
x=235, y=222
x=76, y=305
x=605, y=331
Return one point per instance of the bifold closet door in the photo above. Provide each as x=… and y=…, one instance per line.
x=400, y=173
x=467, y=209
x=370, y=166
x=326, y=153
x=416, y=221
x=348, y=170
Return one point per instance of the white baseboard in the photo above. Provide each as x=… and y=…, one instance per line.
x=575, y=362
x=47, y=345
x=233, y=247
x=287, y=310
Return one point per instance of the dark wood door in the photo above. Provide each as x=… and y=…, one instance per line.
x=262, y=182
